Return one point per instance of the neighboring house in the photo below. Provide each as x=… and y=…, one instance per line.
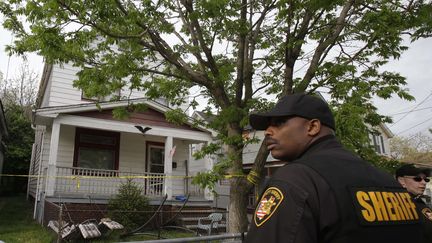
x=380, y=141
x=3, y=134
x=80, y=150
x=222, y=194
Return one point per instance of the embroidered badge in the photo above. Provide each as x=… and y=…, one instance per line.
x=427, y=212
x=270, y=201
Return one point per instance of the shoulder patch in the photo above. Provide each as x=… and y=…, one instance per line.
x=427, y=212
x=269, y=202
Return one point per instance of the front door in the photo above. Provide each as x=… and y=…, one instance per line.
x=155, y=164
x=156, y=158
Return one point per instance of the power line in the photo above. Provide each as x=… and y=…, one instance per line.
x=429, y=119
x=427, y=97
x=400, y=113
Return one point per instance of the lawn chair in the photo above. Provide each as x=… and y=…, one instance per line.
x=68, y=231
x=89, y=229
x=214, y=219
x=105, y=225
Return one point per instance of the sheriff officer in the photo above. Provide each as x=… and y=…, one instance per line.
x=414, y=180
x=325, y=193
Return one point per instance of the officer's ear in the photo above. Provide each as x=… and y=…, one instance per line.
x=314, y=127
x=401, y=181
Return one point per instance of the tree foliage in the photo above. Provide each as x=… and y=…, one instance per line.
x=18, y=95
x=235, y=53
x=414, y=149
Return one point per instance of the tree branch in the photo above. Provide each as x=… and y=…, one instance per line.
x=323, y=44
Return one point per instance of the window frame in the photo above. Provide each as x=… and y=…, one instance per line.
x=78, y=144
x=156, y=145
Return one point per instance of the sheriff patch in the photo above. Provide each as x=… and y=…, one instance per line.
x=384, y=206
x=427, y=212
x=270, y=201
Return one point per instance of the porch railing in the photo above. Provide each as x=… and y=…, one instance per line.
x=192, y=189
x=76, y=180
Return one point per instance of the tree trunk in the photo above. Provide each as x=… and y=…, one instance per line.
x=238, y=220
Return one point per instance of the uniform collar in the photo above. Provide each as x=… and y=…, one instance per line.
x=327, y=141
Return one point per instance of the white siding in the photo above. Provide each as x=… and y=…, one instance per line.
x=61, y=90
x=66, y=146
x=180, y=156
x=132, y=153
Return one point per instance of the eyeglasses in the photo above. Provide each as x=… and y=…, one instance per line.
x=418, y=178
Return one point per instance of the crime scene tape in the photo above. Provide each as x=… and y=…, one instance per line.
x=78, y=178
x=117, y=177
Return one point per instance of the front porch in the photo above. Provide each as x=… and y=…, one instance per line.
x=96, y=183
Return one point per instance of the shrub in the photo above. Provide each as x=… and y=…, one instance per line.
x=125, y=207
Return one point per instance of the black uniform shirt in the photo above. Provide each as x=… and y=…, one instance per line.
x=299, y=205
x=426, y=219
x=308, y=203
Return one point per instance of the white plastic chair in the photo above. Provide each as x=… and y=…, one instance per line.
x=214, y=219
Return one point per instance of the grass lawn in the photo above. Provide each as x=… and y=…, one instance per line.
x=17, y=225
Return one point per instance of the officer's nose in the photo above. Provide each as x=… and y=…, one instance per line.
x=268, y=132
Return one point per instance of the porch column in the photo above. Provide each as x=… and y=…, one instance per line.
x=52, y=159
x=168, y=185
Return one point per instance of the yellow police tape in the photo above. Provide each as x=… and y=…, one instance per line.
x=77, y=178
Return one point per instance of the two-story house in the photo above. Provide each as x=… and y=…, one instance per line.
x=82, y=151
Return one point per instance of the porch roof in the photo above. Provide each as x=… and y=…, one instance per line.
x=87, y=115
x=46, y=115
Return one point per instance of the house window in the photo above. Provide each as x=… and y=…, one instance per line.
x=378, y=143
x=96, y=149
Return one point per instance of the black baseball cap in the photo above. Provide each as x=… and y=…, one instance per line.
x=411, y=170
x=302, y=105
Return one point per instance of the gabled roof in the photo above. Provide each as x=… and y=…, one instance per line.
x=204, y=116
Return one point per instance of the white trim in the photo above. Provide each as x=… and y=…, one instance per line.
x=52, y=159
x=168, y=185
x=386, y=130
x=53, y=112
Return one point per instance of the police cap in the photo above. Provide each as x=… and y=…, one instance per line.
x=411, y=170
x=302, y=105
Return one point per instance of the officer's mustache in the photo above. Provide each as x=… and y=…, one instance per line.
x=269, y=140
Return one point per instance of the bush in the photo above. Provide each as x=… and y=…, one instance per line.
x=125, y=207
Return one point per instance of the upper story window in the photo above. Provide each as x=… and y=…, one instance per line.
x=96, y=149
x=378, y=143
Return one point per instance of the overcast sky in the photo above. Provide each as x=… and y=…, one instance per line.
x=409, y=117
